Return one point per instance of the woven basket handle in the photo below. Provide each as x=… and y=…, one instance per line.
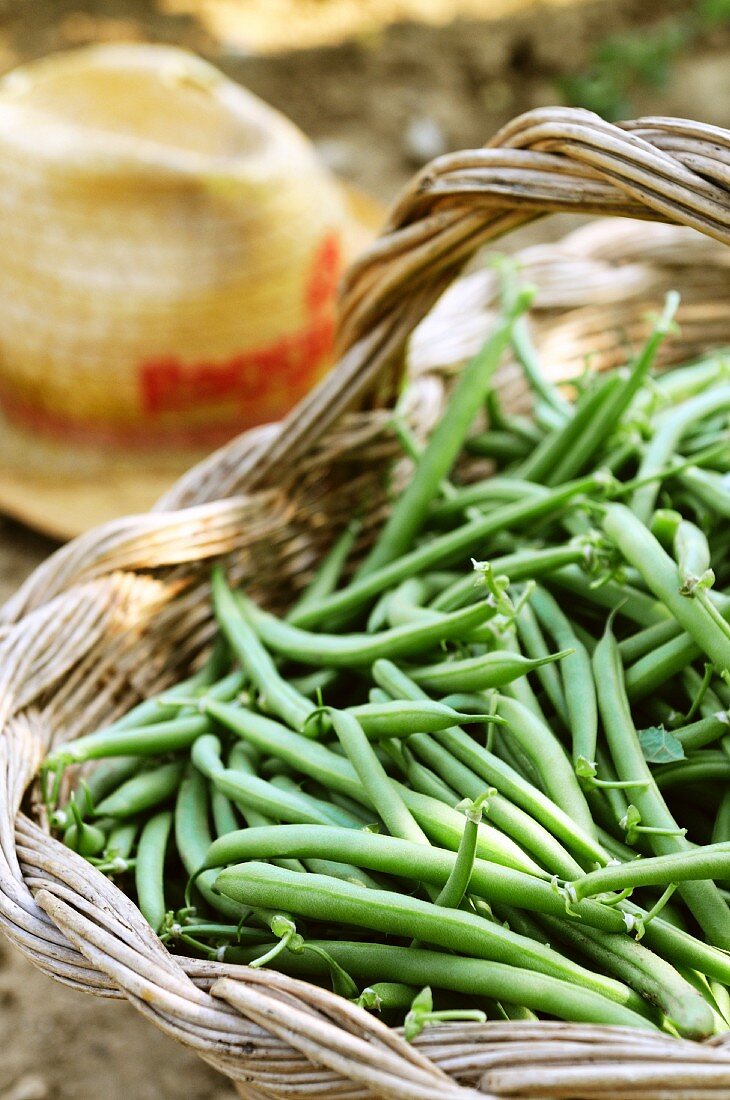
x=552, y=160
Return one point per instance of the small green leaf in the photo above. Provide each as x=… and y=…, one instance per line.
x=660, y=746
x=413, y=1025
x=342, y=983
x=423, y=1001
x=585, y=769
x=369, y=999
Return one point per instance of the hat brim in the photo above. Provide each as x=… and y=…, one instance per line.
x=62, y=495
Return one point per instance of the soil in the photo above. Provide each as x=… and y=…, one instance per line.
x=378, y=104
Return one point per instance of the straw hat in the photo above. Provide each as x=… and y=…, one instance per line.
x=171, y=251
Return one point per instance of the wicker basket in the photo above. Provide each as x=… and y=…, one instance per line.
x=123, y=610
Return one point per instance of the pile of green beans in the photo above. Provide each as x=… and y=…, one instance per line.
x=491, y=756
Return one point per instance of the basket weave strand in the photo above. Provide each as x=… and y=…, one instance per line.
x=122, y=611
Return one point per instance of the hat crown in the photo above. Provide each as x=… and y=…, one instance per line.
x=171, y=252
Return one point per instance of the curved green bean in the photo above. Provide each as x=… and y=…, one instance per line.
x=465, y=540
x=491, y=670
x=353, y=650
x=143, y=792
x=409, y=512
x=150, y=867
x=703, y=898
x=709, y=862
x=549, y=759
x=659, y=572
x=373, y=962
x=498, y=774
x=280, y=696
x=317, y=897
x=576, y=674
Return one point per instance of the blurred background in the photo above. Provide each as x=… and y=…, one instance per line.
x=381, y=87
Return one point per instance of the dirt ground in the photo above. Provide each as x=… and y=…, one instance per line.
x=378, y=105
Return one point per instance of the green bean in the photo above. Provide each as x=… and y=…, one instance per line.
x=320, y=898
x=533, y=642
x=346, y=871
x=224, y=815
x=464, y=540
x=328, y=575
x=109, y=775
x=335, y=773
x=378, y=616
x=494, y=882
x=703, y=732
x=120, y=841
x=651, y=976
x=143, y=792
x=100, y=782
x=710, y=767
x=692, y=552
x=702, y=898
x=663, y=525
x=336, y=814
x=405, y=603
x=369, y=962
x=280, y=696
x=645, y=641
x=502, y=489
x=659, y=666
x=576, y=675
x=512, y=821
x=680, y=383
x=491, y=670
x=526, y=356
x=421, y=778
x=238, y=760
x=157, y=739
x=642, y=550
x=608, y=413
x=353, y=650
x=520, y=566
x=548, y=757
x=150, y=867
x=252, y=791
x=193, y=839
x=402, y=718
x=380, y=790
x=709, y=487
x=522, y=690
x=157, y=710
x=631, y=602
x=391, y=996
x=721, y=830
x=671, y=426
x=546, y=457
x=313, y=683
x=708, y=862
x=309, y=758
x=498, y=774
x=409, y=512
x=87, y=840
x=453, y=890
x=612, y=789
x=503, y=446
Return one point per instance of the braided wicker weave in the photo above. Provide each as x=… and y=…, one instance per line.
x=125, y=609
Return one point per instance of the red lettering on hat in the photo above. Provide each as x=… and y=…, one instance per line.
x=284, y=368
x=324, y=274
